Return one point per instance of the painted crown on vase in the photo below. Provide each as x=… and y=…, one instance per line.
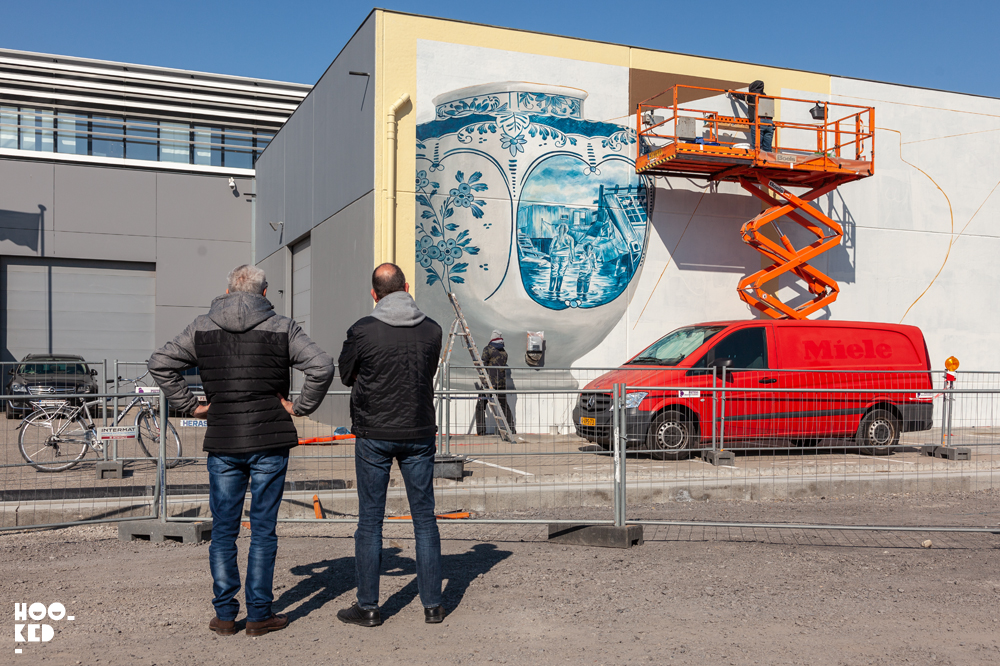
x=531, y=214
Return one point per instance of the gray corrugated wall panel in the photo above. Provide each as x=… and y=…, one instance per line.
x=322, y=159
x=105, y=200
x=24, y=186
x=345, y=121
x=270, y=174
x=170, y=321
x=299, y=172
x=204, y=207
x=193, y=272
x=341, y=287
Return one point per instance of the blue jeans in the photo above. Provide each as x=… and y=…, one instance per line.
x=766, y=128
x=228, y=476
x=372, y=461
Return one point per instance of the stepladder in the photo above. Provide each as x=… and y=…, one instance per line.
x=460, y=329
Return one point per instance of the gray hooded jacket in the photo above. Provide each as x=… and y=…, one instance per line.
x=243, y=351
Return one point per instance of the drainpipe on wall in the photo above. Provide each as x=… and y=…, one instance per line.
x=390, y=135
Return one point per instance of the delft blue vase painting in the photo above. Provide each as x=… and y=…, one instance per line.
x=532, y=214
x=579, y=209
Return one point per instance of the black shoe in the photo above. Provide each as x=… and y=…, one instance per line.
x=359, y=616
x=434, y=615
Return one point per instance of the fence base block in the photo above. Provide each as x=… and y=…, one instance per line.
x=953, y=452
x=449, y=467
x=110, y=469
x=718, y=457
x=154, y=530
x=602, y=536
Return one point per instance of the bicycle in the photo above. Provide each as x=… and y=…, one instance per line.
x=56, y=431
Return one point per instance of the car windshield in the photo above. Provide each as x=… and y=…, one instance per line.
x=52, y=368
x=673, y=348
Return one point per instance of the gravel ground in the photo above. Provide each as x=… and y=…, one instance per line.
x=689, y=595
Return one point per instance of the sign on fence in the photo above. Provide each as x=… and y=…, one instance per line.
x=117, y=432
x=194, y=423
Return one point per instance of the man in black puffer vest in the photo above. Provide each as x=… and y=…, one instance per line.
x=389, y=360
x=244, y=352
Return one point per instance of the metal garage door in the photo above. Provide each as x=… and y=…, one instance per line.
x=97, y=309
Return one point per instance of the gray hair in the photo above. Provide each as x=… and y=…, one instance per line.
x=247, y=278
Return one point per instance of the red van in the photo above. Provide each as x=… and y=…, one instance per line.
x=828, y=356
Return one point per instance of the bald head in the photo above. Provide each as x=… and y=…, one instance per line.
x=387, y=279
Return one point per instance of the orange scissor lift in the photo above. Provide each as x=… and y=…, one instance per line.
x=817, y=146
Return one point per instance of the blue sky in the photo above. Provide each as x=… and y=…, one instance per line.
x=930, y=44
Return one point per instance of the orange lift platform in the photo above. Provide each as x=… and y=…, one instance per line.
x=816, y=147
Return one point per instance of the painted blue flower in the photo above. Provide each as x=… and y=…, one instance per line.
x=422, y=180
x=434, y=252
x=447, y=260
x=426, y=241
x=515, y=144
x=455, y=252
x=426, y=261
x=450, y=243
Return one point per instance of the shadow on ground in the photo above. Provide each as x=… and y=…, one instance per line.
x=328, y=579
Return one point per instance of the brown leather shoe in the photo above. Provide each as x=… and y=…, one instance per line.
x=273, y=623
x=222, y=627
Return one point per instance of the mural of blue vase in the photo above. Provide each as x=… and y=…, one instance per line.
x=531, y=214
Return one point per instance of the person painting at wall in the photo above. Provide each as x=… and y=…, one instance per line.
x=244, y=351
x=494, y=357
x=588, y=265
x=561, y=253
x=389, y=360
x=765, y=125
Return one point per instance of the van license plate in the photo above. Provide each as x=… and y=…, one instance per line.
x=587, y=421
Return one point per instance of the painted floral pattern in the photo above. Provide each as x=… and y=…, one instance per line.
x=438, y=251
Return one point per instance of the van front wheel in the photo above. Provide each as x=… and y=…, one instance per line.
x=671, y=436
x=879, y=432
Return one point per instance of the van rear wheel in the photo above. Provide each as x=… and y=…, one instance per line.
x=671, y=436
x=879, y=432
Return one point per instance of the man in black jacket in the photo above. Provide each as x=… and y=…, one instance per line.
x=243, y=351
x=389, y=360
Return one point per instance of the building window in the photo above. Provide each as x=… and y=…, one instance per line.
x=239, y=149
x=106, y=141
x=72, y=136
x=175, y=142
x=208, y=146
x=36, y=130
x=141, y=139
x=8, y=127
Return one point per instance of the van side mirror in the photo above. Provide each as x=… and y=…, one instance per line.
x=722, y=363
x=93, y=372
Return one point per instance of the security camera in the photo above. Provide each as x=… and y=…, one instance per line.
x=276, y=225
x=232, y=183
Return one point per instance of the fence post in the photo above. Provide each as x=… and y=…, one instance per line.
x=722, y=417
x=162, y=458
x=104, y=405
x=715, y=401
x=617, y=428
x=447, y=409
x=115, y=443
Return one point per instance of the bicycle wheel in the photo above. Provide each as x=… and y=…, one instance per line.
x=53, y=441
x=148, y=425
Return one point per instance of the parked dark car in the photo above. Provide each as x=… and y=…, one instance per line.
x=47, y=377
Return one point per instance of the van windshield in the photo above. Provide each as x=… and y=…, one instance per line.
x=673, y=348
